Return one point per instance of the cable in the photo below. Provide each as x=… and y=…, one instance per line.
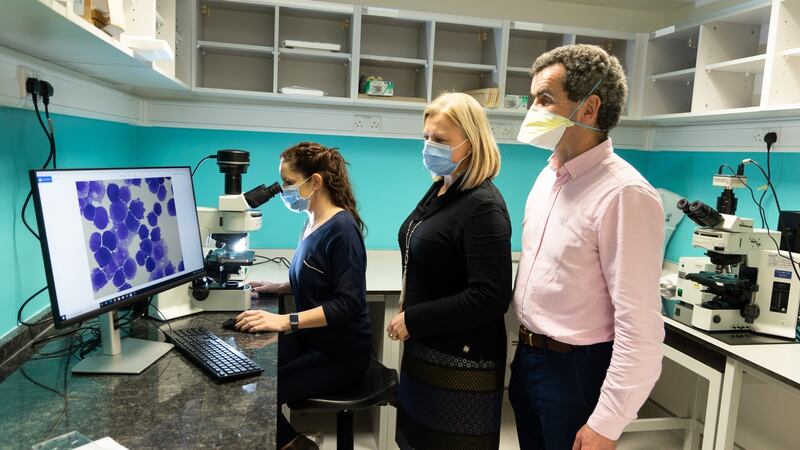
x=202, y=161
x=277, y=260
x=50, y=157
x=25, y=303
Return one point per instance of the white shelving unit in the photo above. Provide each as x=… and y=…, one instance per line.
x=731, y=60
x=526, y=41
x=235, y=46
x=670, y=71
x=782, y=69
x=466, y=56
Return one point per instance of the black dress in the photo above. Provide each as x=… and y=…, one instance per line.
x=458, y=288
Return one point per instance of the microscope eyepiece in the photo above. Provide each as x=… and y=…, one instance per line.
x=261, y=194
x=705, y=215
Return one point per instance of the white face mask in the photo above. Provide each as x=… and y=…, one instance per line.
x=544, y=129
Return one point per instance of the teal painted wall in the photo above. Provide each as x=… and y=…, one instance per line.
x=80, y=143
x=689, y=174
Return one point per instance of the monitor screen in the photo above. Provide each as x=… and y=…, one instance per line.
x=111, y=237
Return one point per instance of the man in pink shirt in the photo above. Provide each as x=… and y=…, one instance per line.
x=586, y=289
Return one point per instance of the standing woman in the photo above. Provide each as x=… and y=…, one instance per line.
x=330, y=346
x=457, y=287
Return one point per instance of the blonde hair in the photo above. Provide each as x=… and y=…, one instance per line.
x=469, y=117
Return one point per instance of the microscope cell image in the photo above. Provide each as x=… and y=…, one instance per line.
x=129, y=238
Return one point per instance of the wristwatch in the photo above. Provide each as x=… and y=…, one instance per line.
x=294, y=321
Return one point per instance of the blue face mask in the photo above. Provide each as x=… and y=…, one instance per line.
x=437, y=158
x=293, y=200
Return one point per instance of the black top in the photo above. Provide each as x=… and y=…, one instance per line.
x=329, y=270
x=458, y=277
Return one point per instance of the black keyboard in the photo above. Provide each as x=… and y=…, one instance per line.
x=215, y=356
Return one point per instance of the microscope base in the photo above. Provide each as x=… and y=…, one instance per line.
x=683, y=313
x=226, y=300
x=173, y=303
x=718, y=319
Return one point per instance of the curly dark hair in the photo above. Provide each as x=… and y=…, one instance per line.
x=586, y=65
x=309, y=158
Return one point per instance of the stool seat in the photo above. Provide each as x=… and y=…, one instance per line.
x=377, y=387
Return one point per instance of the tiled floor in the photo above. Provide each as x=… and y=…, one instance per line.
x=325, y=431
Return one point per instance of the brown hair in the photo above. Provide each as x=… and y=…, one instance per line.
x=309, y=158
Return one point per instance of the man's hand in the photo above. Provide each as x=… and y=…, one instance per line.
x=588, y=439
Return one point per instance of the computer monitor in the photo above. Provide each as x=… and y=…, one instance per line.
x=112, y=237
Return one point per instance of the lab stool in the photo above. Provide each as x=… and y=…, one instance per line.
x=377, y=388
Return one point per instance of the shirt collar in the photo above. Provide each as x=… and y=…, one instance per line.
x=578, y=165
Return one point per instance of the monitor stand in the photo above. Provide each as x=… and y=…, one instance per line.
x=120, y=356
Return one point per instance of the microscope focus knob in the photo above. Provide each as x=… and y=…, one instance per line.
x=200, y=290
x=717, y=319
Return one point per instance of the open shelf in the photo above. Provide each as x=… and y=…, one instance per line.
x=395, y=38
x=315, y=26
x=524, y=46
x=240, y=49
x=750, y=64
x=678, y=75
x=408, y=81
x=330, y=76
x=392, y=61
x=299, y=54
x=222, y=69
x=236, y=23
x=519, y=70
x=468, y=44
x=457, y=67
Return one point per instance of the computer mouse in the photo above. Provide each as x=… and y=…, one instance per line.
x=230, y=324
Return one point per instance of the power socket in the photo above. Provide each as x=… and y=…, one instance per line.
x=502, y=130
x=367, y=123
x=23, y=73
x=759, y=133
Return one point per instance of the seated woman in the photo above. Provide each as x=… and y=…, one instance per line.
x=330, y=346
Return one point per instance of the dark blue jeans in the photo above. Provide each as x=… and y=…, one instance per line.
x=553, y=394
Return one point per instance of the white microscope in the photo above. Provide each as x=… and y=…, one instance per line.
x=745, y=283
x=224, y=232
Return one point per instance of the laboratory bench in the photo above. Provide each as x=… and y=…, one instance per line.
x=171, y=405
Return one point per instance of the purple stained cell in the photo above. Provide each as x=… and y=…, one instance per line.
x=131, y=222
x=158, y=250
x=120, y=256
x=88, y=212
x=125, y=194
x=169, y=269
x=95, y=241
x=155, y=234
x=129, y=267
x=152, y=186
x=157, y=273
x=82, y=188
x=122, y=231
x=97, y=190
x=157, y=208
x=124, y=287
x=83, y=201
x=140, y=258
x=102, y=256
x=119, y=278
x=118, y=211
x=110, y=269
x=162, y=193
x=146, y=246
x=112, y=191
x=143, y=232
x=98, y=279
x=134, y=181
x=100, y=218
x=109, y=240
x=171, y=207
x=152, y=219
x=137, y=209
x=180, y=266
x=149, y=264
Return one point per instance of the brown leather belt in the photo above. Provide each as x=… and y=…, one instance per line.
x=531, y=339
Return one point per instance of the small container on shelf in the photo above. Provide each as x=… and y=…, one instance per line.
x=516, y=101
x=378, y=87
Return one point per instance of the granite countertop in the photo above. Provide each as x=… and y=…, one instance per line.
x=172, y=404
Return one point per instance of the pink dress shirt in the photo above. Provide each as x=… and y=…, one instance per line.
x=591, y=259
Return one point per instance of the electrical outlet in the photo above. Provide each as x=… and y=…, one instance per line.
x=502, y=130
x=758, y=135
x=23, y=73
x=367, y=123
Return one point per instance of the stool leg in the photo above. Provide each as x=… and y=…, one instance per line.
x=344, y=430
